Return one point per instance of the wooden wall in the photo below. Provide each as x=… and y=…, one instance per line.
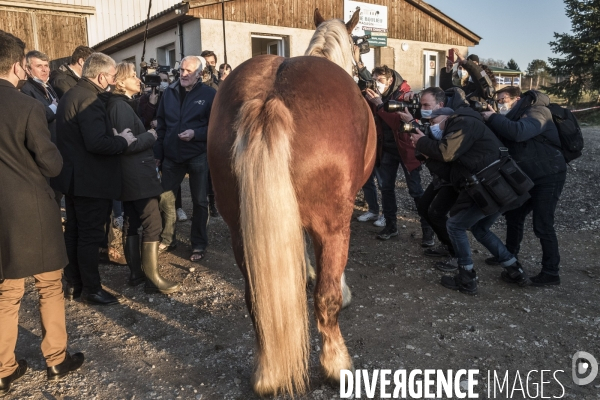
x=405, y=21
x=53, y=33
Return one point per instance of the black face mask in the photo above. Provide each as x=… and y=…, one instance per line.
x=21, y=83
x=111, y=88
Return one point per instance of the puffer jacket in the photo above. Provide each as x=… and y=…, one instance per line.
x=531, y=136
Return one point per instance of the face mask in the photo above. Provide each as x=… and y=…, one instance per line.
x=163, y=86
x=435, y=130
x=110, y=88
x=381, y=87
x=462, y=73
x=426, y=113
x=21, y=83
x=504, y=109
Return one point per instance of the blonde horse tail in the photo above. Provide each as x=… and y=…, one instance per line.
x=273, y=250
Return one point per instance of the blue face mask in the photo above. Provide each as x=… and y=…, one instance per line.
x=436, y=131
x=426, y=113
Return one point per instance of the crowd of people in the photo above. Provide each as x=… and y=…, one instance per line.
x=91, y=135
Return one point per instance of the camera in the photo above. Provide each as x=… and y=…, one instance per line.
x=149, y=74
x=364, y=85
x=412, y=126
x=478, y=105
x=413, y=105
x=362, y=42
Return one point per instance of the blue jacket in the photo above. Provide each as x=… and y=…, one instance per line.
x=173, y=117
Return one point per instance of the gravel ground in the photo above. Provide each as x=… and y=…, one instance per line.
x=198, y=344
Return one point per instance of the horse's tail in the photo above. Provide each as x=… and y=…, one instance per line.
x=273, y=244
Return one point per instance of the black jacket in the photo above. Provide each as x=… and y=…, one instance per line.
x=31, y=238
x=174, y=117
x=531, y=136
x=88, y=146
x=138, y=168
x=63, y=79
x=46, y=95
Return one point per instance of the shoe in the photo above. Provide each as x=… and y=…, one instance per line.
x=134, y=260
x=99, y=298
x=440, y=251
x=544, y=279
x=492, y=261
x=448, y=265
x=72, y=292
x=163, y=247
x=181, y=215
x=115, y=257
x=380, y=221
x=368, y=216
x=514, y=274
x=388, y=232
x=155, y=283
x=465, y=281
x=118, y=222
x=427, y=239
x=8, y=380
x=70, y=364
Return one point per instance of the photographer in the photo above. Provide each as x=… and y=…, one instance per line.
x=395, y=149
x=477, y=81
x=469, y=145
x=148, y=102
x=530, y=135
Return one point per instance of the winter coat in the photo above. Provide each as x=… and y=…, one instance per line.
x=531, y=136
x=31, y=238
x=174, y=117
x=63, y=79
x=470, y=85
x=146, y=110
x=388, y=126
x=46, y=95
x=138, y=167
x=88, y=145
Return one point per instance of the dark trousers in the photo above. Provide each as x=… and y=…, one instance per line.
x=386, y=174
x=434, y=205
x=84, y=233
x=544, y=197
x=172, y=176
x=144, y=213
x=178, y=202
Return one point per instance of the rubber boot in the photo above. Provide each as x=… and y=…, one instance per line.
x=131, y=248
x=155, y=283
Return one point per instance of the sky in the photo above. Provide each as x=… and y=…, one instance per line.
x=518, y=29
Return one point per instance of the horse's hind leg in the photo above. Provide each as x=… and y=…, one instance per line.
x=331, y=252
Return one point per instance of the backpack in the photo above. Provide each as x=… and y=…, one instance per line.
x=569, y=132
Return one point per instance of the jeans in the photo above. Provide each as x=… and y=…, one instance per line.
x=472, y=218
x=544, y=197
x=172, y=176
x=84, y=233
x=435, y=205
x=144, y=213
x=386, y=175
x=370, y=192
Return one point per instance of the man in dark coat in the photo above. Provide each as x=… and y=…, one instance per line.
x=182, y=117
x=91, y=175
x=31, y=242
x=67, y=75
x=529, y=133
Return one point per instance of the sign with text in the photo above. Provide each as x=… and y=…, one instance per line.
x=373, y=21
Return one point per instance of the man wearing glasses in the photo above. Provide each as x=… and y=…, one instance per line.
x=90, y=177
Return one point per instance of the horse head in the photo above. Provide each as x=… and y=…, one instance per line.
x=333, y=41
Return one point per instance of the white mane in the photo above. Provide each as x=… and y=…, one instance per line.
x=331, y=40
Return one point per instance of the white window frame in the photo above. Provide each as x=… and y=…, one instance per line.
x=426, y=68
x=275, y=40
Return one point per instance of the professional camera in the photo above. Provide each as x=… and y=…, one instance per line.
x=362, y=42
x=413, y=105
x=364, y=85
x=478, y=105
x=150, y=73
x=412, y=126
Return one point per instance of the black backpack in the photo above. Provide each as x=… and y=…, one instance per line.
x=569, y=132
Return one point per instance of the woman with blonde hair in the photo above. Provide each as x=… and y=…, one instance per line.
x=141, y=186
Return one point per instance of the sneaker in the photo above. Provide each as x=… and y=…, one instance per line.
x=368, y=216
x=380, y=221
x=181, y=215
x=388, y=232
x=118, y=222
x=440, y=251
x=544, y=279
x=427, y=239
x=492, y=261
x=515, y=274
x=465, y=281
x=448, y=265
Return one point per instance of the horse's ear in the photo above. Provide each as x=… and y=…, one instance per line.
x=350, y=25
x=318, y=18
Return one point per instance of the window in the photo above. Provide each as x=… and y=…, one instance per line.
x=166, y=55
x=267, y=44
x=431, y=75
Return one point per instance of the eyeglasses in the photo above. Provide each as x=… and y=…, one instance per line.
x=504, y=99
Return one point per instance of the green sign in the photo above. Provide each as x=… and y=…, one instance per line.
x=378, y=39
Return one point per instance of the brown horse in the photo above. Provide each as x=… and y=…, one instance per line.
x=290, y=143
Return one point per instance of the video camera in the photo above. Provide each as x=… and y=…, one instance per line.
x=150, y=73
x=362, y=42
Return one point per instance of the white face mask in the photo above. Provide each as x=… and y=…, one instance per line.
x=426, y=113
x=381, y=87
x=504, y=109
x=462, y=73
x=163, y=86
x=436, y=131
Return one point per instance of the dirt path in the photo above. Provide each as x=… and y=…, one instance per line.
x=198, y=344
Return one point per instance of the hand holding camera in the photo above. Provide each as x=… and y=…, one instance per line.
x=373, y=97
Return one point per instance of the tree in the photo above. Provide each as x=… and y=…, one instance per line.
x=581, y=64
x=537, y=73
x=490, y=62
x=512, y=64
